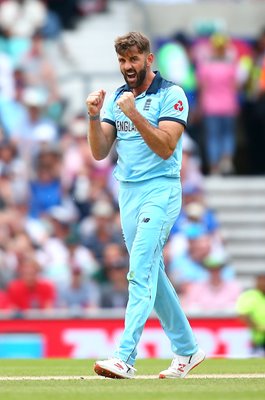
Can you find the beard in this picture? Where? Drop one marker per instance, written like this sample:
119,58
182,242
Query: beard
140,77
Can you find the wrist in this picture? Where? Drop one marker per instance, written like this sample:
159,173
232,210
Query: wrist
133,114
95,117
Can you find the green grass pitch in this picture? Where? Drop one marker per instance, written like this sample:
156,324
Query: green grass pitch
202,387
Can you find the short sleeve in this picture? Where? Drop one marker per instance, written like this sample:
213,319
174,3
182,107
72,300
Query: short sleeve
108,115
175,106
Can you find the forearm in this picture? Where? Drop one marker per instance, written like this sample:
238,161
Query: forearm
160,141
99,143
100,137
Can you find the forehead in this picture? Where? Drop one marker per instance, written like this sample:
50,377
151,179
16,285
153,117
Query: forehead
130,52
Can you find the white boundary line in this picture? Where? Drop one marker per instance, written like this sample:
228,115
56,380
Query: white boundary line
76,378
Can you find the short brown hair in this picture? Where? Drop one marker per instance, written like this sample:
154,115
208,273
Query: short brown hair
125,42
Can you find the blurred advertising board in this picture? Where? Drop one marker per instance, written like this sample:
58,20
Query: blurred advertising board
97,338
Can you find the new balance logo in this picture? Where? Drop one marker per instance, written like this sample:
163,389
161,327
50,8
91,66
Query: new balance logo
145,220
147,105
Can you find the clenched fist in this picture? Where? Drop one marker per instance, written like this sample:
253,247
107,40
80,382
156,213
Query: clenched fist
95,102
126,103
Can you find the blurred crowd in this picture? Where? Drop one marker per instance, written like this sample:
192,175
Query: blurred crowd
224,78
61,245
20,18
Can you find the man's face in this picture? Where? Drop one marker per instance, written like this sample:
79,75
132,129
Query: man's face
133,66
199,248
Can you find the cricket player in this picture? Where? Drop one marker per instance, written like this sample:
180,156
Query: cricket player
146,118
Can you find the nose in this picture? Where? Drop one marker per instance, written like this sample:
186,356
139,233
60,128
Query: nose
127,66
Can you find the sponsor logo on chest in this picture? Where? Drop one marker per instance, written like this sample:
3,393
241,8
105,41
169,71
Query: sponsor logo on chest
125,126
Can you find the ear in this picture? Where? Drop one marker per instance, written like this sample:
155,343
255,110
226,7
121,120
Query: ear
150,59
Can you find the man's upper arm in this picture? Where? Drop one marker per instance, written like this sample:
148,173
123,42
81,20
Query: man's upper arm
174,114
175,106
173,129
109,132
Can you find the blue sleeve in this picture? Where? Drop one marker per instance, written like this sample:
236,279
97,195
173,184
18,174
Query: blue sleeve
108,115
175,106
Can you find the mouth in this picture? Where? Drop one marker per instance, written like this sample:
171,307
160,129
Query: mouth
130,76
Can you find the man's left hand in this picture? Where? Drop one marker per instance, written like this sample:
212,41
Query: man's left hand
126,103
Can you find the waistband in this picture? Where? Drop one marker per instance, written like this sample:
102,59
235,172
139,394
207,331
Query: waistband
153,181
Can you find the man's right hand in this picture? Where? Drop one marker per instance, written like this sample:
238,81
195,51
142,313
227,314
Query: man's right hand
95,102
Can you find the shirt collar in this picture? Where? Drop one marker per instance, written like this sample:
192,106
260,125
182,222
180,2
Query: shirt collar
156,84
153,88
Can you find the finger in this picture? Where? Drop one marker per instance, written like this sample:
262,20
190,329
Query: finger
94,98
102,94
98,94
92,101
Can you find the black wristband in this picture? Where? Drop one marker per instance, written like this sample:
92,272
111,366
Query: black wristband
94,117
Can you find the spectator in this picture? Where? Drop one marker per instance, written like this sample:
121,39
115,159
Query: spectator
189,267
6,77
10,162
114,292
19,19
214,294
22,18
100,229
7,266
251,309
45,190
191,174
195,210
253,108
78,255
87,7
113,253
195,216
84,177
76,153
219,105
197,213
13,175
4,302
40,73
175,64
10,106
29,290
80,294
66,11
36,130
55,256
19,243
